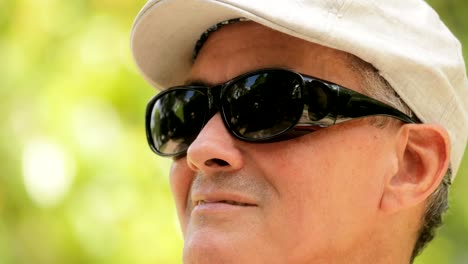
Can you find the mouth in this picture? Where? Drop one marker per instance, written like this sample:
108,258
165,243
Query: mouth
228,202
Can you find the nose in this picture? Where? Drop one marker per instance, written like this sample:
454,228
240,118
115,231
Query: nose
214,149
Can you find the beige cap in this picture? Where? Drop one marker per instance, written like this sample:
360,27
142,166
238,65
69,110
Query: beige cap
404,39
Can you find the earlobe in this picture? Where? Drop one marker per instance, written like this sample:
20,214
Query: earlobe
423,152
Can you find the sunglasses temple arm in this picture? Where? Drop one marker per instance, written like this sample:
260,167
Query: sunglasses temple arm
356,105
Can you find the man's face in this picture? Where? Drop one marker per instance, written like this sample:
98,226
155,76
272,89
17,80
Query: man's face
294,201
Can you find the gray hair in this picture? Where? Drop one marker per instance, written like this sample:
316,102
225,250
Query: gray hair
377,87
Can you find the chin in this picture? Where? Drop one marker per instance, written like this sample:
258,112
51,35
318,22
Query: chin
211,245
206,249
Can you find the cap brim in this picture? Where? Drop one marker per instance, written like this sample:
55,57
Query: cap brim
165,32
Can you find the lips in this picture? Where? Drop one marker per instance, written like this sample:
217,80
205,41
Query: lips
230,202
207,197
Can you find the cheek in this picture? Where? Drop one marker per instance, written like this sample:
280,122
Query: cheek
180,180
328,186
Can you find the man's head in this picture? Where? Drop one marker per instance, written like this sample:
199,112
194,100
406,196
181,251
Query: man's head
353,192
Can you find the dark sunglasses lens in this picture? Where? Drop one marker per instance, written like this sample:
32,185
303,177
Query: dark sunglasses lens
319,99
264,105
176,119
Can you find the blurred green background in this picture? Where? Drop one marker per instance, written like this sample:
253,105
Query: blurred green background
78,183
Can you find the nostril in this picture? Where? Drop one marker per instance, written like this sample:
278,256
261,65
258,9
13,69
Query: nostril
214,162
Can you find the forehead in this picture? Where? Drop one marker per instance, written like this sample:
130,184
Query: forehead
245,46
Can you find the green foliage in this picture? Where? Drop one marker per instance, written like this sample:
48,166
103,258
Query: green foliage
78,183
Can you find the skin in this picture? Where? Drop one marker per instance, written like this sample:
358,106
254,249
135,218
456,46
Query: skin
350,193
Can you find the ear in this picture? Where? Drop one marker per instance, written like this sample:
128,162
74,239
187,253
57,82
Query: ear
423,153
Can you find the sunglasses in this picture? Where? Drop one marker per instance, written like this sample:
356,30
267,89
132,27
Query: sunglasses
267,105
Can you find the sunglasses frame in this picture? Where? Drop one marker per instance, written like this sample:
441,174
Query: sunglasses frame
347,105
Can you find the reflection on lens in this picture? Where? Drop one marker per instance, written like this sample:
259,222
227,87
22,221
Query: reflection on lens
317,100
176,119
263,105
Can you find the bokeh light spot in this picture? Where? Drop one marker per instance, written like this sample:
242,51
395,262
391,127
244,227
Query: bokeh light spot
47,172
96,127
